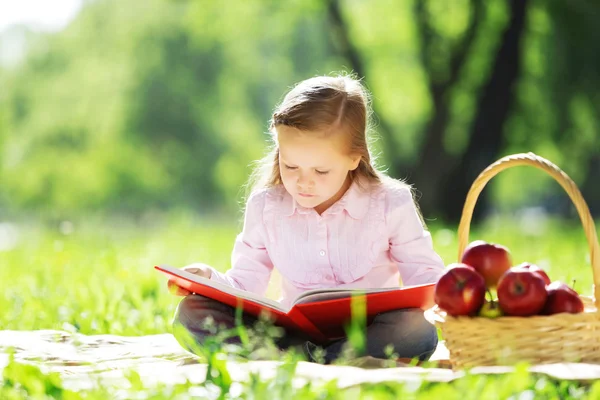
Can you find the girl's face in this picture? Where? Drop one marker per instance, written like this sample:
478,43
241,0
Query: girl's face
314,167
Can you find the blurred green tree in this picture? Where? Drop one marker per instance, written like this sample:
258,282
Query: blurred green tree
163,103
153,104
497,74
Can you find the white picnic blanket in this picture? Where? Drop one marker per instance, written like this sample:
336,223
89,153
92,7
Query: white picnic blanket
85,361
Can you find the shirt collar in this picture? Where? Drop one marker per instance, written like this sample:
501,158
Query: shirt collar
355,201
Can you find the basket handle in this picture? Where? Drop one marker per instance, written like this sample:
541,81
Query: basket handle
562,178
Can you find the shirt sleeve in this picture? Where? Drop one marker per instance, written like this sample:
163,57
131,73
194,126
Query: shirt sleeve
411,245
251,265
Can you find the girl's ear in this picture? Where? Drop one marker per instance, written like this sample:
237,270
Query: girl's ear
355,161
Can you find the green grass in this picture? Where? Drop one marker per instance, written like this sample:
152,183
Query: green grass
96,277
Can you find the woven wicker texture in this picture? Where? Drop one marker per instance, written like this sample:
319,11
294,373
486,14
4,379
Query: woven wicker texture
478,341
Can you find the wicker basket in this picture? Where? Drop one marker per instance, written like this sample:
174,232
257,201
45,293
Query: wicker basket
478,341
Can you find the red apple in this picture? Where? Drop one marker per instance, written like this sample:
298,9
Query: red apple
489,259
460,291
534,268
521,292
562,299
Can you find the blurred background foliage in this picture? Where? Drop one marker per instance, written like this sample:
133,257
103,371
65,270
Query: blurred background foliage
160,105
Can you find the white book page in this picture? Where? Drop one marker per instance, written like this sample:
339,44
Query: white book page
316,295
226,288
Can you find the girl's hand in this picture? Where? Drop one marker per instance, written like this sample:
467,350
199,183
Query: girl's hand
197,269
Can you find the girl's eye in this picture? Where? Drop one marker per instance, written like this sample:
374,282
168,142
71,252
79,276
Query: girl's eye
295,168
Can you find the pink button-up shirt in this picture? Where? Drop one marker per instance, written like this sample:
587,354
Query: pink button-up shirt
368,239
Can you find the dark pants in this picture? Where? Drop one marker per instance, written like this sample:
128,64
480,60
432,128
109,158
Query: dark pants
407,331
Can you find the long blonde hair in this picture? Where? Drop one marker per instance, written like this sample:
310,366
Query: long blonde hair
317,104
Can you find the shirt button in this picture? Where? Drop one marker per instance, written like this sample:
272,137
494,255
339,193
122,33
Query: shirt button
322,253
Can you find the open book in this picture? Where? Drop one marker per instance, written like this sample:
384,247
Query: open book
320,313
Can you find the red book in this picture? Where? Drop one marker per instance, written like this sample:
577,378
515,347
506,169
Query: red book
322,314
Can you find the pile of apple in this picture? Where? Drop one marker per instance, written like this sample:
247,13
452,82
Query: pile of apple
521,290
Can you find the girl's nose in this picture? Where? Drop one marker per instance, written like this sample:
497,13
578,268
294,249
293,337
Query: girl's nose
303,180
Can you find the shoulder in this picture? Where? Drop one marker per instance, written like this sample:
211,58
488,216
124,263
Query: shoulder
265,199
401,207
264,194
393,194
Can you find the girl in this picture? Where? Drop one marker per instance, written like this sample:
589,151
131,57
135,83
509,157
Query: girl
324,216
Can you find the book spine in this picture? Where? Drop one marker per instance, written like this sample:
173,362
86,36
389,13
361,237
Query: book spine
304,323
